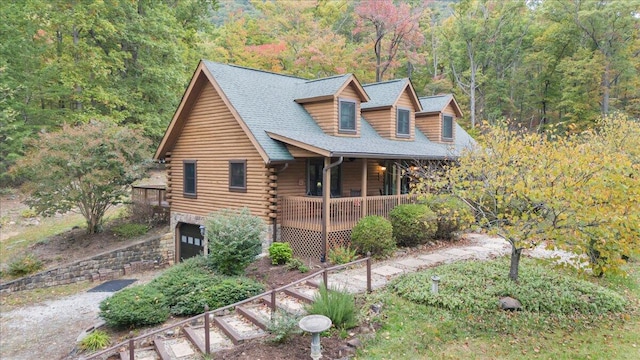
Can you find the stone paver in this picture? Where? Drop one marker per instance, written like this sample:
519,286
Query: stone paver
181,349
456,254
413,263
434,258
387,270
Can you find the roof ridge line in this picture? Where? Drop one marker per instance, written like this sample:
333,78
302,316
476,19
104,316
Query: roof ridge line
385,82
254,69
433,96
327,78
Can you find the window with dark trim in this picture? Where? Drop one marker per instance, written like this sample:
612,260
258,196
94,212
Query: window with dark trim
189,178
347,115
447,127
238,175
402,123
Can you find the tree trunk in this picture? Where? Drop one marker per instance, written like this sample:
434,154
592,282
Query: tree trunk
606,85
515,262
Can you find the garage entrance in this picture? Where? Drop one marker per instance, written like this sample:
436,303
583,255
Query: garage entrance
191,241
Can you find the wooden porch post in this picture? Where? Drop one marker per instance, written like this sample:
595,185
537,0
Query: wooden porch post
398,180
363,187
326,207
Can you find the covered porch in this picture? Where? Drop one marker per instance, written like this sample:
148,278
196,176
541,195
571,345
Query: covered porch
321,200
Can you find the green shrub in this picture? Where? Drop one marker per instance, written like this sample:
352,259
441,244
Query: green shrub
282,325
28,213
413,224
190,285
452,213
134,307
95,341
234,240
476,287
25,265
280,253
373,234
130,230
216,293
339,306
342,255
297,264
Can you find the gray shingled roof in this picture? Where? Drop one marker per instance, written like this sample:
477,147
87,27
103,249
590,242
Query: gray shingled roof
320,87
383,93
266,103
435,103
371,145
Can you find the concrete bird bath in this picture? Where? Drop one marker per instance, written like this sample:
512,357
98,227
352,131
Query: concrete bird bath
315,324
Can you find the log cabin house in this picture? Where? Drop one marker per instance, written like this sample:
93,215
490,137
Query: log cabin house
310,157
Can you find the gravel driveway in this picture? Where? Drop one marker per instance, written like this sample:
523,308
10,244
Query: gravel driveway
48,330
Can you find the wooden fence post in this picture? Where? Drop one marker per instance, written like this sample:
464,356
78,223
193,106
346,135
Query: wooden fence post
369,271
207,341
132,345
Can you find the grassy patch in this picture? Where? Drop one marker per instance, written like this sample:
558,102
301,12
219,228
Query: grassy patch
16,245
28,297
576,320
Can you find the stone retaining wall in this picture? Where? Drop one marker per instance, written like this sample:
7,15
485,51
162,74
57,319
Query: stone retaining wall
153,252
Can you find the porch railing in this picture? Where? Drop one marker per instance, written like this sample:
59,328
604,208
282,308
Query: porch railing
306,212
301,212
383,204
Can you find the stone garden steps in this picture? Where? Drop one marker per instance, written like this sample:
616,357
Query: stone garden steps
246,322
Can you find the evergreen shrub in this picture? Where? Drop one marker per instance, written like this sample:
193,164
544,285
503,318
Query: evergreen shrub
452,213
373,234
413,224
280,253
135,307
234,240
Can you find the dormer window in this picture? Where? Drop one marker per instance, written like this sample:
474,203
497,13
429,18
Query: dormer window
447,127
347,115
403,123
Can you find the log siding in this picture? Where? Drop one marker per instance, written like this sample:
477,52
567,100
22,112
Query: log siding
213,137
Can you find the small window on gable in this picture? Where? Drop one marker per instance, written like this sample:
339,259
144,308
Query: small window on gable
238,175
403,123
189,178
347,115
447,127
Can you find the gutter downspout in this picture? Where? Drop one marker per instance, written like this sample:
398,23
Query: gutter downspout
275,219
326,196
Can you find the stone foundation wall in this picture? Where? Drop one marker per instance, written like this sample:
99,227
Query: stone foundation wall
178,218
154,252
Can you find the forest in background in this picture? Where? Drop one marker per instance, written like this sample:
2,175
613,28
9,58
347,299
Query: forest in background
532,62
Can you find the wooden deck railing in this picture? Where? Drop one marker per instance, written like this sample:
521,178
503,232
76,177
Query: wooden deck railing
306,212
149,194
301,212
383,204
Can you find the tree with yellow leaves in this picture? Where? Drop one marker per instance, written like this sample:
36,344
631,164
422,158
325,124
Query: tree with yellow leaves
579,192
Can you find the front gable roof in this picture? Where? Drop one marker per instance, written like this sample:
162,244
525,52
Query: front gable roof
386,94
437,103
328,88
